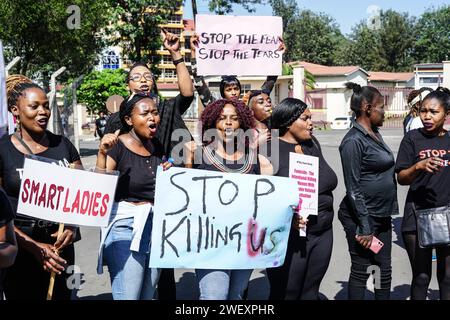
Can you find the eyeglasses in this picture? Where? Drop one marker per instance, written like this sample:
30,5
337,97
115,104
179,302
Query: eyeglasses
137,77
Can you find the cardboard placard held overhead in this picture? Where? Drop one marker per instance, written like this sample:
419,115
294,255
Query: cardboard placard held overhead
239,45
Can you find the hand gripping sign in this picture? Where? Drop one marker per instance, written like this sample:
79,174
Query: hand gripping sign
239,45
209,220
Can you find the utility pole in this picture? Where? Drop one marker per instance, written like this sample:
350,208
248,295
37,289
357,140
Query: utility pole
11,124
76,129
56,126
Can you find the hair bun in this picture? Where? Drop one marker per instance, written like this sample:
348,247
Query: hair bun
444,90
353,86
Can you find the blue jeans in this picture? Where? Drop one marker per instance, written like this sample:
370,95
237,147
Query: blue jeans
131,278
222,284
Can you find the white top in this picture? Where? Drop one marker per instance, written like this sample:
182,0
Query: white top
414,123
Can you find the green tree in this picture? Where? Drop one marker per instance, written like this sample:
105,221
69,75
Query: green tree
98,86
135,27
387,48
226,6
38,32
314,37
432,37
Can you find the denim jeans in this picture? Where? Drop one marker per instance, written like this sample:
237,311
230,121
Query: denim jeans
222,284
131,277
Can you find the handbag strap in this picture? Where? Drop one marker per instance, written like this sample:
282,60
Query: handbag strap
19,138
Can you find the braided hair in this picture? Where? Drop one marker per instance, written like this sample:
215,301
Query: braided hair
286,113
16,85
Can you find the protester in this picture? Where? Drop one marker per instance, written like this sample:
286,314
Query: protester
415,98
423,164
371,192
307,258
8,243
38,242
230,87
141,79
100,125
226,151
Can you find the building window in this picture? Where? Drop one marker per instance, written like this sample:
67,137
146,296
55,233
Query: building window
176,31
317,103
166,60
169,74
174,19
111,60
429,80
245,88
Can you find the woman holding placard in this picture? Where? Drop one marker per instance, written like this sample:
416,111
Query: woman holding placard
307,258
365,213
38,242
226,151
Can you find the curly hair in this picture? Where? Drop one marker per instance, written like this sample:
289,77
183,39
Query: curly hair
16,84
213,111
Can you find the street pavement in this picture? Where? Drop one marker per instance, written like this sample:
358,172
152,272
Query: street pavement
334,284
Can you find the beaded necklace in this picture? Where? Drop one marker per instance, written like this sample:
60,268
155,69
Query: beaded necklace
246,167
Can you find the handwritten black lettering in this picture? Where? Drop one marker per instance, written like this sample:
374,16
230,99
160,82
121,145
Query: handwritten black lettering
204,187
236,192
184,191
272,189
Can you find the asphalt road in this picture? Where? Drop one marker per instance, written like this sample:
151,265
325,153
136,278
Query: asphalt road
334,285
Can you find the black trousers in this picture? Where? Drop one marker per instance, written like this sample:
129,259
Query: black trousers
364,261
305,265
27,280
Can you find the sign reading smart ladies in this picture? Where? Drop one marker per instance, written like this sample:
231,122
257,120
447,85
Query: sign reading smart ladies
239,45
55,193
205,219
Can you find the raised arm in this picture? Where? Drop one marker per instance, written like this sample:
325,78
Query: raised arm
199,82
172,44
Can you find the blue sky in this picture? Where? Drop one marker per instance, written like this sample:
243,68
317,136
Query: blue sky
347,13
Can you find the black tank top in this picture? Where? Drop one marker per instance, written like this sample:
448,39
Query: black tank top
214,162
327,182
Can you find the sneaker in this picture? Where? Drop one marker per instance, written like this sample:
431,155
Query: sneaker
433,257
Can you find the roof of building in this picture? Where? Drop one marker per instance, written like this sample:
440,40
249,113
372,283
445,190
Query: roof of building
321,70
438,66
390,76
189,25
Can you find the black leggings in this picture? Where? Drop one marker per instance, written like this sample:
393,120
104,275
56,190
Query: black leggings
167,289
363,259
305,265
421,264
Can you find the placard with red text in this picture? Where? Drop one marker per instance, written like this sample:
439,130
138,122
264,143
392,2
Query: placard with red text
55,193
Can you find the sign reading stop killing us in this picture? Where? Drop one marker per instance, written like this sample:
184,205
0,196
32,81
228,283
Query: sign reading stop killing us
214,220
59,194
238,45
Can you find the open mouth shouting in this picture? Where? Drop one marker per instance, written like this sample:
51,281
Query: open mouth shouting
152,126
144,88
42,122
229,132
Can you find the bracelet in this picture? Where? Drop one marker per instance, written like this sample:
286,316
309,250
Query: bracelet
175,62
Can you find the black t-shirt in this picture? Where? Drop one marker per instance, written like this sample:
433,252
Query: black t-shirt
6,211
11,161
137,173
100,124
428,190
327,182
